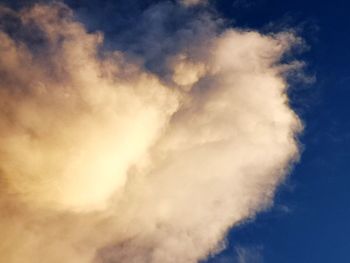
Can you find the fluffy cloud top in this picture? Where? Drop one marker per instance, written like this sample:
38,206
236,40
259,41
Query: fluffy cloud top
103,161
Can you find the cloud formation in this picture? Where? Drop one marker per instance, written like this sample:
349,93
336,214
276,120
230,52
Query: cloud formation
192,2
103,161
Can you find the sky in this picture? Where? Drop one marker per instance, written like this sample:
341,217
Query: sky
297,210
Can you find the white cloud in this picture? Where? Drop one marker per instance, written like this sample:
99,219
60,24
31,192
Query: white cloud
103,161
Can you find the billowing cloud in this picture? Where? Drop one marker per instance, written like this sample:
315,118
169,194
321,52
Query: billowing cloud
104,161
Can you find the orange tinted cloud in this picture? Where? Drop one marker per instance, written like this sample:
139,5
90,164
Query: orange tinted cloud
103,161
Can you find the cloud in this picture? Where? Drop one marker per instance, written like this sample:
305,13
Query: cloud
103,160
249,254
192,2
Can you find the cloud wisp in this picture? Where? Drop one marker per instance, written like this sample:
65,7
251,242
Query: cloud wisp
103,161
189,3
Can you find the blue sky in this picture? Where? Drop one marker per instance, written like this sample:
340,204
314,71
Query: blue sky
309,222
